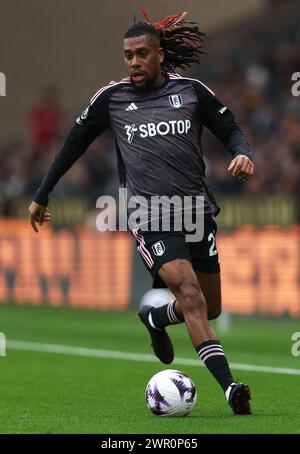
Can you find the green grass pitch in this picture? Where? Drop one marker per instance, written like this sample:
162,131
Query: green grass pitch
45,392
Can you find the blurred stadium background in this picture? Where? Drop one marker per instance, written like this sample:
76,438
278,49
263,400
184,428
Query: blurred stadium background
55,55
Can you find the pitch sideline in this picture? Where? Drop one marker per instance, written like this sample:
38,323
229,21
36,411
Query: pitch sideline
127,356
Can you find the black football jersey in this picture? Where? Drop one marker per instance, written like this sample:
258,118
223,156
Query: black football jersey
157,135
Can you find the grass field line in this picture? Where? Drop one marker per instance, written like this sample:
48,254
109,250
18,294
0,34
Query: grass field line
127,356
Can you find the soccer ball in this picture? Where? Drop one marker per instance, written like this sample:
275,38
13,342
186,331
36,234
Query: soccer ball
171,393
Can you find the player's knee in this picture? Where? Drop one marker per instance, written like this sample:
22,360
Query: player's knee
186,288
191,297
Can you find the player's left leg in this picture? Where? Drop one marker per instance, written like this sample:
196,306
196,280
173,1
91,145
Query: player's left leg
238,394
184,284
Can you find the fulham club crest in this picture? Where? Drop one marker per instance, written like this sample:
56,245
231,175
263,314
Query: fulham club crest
158,248
175,101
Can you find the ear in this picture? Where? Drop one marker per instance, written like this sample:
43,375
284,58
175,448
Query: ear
161,54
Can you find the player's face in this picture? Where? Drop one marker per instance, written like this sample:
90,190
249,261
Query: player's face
143,57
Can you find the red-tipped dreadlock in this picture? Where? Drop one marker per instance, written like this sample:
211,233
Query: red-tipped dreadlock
181,40
169,22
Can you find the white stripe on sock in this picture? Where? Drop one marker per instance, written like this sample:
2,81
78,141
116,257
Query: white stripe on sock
215,348
172,311
203,349
209,352
169,314
212,354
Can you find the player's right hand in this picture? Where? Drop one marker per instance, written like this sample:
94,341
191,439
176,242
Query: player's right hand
38,214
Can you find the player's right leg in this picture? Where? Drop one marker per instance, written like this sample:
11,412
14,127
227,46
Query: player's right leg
205,262
160,341
183,283
210,284
157,248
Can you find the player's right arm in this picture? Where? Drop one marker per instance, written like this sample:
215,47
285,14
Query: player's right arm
38,215
90,124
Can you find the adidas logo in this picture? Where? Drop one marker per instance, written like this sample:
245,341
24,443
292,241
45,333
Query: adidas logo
131,106
222,110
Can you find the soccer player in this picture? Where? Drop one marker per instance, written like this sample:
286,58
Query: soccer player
157,119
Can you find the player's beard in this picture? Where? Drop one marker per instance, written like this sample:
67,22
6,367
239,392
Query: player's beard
147,86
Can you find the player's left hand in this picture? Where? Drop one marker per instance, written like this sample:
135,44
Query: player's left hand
242,167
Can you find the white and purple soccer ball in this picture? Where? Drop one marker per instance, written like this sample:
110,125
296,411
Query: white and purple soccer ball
171,393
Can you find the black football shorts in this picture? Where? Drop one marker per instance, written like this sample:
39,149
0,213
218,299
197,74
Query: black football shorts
158,248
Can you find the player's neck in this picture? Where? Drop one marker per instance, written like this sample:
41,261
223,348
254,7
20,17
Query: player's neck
161,79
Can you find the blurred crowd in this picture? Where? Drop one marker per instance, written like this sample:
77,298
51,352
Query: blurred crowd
23,165
255,83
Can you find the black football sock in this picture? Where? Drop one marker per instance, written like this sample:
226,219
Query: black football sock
165,315
212,354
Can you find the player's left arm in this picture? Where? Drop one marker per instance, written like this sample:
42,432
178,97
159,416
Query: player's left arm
220,121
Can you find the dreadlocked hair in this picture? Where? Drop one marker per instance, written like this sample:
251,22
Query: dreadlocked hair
182,41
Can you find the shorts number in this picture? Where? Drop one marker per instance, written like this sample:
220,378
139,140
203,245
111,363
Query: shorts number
212,249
